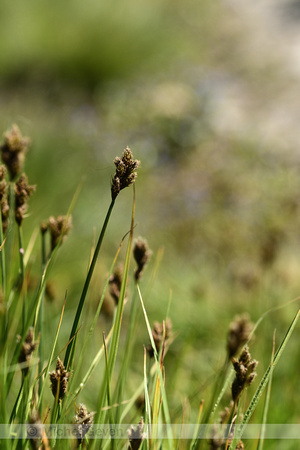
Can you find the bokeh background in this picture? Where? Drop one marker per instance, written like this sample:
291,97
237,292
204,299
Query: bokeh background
206,94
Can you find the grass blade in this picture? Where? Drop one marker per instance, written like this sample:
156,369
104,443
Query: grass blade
267,401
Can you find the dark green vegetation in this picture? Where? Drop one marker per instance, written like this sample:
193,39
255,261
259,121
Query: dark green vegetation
216,198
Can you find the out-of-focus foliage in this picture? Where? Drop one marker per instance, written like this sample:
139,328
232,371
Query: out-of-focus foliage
83,42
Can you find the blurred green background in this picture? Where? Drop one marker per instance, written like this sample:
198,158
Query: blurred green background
204,94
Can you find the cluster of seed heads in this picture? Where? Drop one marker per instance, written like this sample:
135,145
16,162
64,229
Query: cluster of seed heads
158,331
28,347
141,253
115,282
13,150
125,173
58,227
238,335
136,435
23,191
59,380
244,373
4,205
84,421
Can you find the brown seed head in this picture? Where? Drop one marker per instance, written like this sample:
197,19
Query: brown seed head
4,199
136,435
115,282
238,334
59,380
84,420
59,227
158,334
244,373
38,431
28,347
22,193
125,172
225,414
141,253
14,150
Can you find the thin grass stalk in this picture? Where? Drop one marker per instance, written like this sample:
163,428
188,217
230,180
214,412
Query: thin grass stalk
91,330
56,413
41,321
127,356
2,259
199,419
11,304
71,347
234,416
159,372
50,360
267,402
23,399
25,396
22,277
16,404
156,395
155,411
109,402
263,383
4,328
91,369
147,400
10,231
117,323
3,395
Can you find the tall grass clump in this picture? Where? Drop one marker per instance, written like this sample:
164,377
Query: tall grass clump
42,390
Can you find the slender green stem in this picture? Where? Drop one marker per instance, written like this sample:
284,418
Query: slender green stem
91,330
4,324
2,259
109,403
40,321
71,346
100,415
127,355
10,232
22,276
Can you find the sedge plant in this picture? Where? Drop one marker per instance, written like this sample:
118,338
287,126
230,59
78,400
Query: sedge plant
30,376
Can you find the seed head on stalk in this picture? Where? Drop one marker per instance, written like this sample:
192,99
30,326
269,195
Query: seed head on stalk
59,380
59,227
136,435
28,347
4,199
239,333
13,150
244,373
141,253
83,421
23,191
125,174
